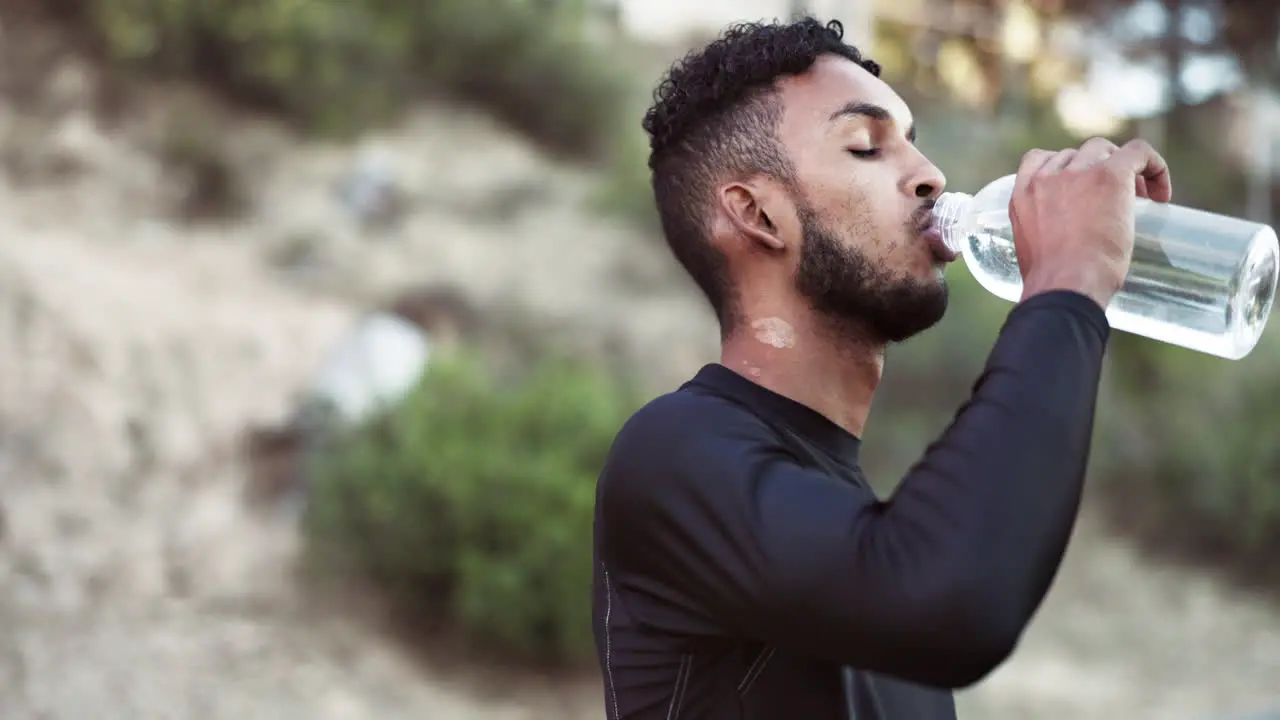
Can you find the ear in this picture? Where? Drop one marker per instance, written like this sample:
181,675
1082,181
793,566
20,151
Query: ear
750,209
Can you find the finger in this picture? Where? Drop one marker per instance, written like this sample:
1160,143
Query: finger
1058,162
1093,151
1141,188
1139,159
1031,163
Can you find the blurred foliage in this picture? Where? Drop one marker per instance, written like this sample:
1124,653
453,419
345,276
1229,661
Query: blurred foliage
341,65
1246,29
627,191
1187,455
473,500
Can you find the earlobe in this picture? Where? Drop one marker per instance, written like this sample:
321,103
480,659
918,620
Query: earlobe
744,207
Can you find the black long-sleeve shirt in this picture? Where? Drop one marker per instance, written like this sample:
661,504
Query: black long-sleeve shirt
746,570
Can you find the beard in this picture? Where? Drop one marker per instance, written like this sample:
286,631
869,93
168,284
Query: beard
859,297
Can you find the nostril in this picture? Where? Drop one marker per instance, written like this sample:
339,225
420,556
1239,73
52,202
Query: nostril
925,190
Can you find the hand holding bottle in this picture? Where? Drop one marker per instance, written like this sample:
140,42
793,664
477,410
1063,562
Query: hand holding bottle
1192,278
1073,215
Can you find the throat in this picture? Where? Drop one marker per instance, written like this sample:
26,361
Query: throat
835,378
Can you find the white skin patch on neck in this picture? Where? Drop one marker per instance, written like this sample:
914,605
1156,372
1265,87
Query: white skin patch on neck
774,332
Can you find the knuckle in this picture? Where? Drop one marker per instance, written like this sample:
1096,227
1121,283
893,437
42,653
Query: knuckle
1111,172
1140,146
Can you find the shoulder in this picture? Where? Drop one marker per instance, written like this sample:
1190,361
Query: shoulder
685,446
684,427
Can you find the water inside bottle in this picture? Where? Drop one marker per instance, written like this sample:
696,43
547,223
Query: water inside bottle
1198,280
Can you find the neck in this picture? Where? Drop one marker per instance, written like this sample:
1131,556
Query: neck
815,364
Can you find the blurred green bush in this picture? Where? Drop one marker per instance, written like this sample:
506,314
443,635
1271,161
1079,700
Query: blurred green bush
1188,457
472,502
341,65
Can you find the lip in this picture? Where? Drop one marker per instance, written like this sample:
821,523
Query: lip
932,235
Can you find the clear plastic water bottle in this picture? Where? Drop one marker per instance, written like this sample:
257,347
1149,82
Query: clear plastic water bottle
1199,280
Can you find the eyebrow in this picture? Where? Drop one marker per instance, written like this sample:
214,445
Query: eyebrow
869,110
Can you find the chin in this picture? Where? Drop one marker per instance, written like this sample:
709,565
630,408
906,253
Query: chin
911,311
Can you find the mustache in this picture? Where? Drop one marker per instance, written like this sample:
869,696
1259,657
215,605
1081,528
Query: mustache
922,217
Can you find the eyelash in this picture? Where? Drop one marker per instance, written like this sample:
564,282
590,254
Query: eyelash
865,154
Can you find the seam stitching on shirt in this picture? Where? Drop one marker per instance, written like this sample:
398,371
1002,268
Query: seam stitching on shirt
608,644
743,682
756,669
682,682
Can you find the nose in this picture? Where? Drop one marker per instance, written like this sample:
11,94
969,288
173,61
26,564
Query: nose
927,181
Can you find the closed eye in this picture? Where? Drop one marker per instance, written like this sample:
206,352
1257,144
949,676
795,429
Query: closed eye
865,154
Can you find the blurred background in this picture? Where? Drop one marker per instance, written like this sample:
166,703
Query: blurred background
317,319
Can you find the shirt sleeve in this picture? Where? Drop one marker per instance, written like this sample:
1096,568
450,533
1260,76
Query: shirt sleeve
711,527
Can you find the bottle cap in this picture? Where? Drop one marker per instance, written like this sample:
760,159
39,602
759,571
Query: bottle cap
949,214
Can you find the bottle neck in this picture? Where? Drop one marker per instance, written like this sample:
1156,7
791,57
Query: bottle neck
951,214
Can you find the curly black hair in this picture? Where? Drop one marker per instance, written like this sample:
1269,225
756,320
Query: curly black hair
714,114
